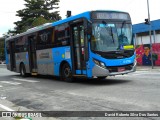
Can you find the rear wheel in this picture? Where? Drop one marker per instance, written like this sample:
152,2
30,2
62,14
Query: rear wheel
66,73
22,70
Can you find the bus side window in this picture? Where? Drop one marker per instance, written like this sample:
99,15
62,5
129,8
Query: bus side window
44,40
53,36
62,35
21,44
25,43
7,47
18,45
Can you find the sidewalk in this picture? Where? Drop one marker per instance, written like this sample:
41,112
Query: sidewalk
148,68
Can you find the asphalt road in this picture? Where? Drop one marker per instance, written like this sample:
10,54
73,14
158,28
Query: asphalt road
139,91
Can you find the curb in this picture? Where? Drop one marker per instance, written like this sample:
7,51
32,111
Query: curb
148,68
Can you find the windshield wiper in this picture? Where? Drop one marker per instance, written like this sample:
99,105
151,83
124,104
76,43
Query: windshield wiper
122,25
111,32
112,35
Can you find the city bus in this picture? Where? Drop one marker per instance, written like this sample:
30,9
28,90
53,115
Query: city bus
93,44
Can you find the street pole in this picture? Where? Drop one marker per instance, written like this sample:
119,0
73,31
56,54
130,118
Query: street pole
150,27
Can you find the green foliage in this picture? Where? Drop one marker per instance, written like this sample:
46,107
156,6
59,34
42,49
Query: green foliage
39,21
34,11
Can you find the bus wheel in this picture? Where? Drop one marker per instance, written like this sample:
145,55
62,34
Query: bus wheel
22,70
101,78
66,73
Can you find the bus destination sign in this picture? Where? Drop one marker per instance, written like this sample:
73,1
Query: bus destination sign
110,15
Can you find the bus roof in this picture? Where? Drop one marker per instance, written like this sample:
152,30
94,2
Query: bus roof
84,15
32,30
47,25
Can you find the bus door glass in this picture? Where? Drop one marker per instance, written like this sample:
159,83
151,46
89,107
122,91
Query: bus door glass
78,47
32,53
12,56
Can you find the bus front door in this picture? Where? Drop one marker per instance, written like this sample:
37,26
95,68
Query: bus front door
78,49
32,55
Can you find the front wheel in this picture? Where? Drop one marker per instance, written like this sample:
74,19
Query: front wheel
101,78
66,73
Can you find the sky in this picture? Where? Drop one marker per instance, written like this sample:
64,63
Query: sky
136,8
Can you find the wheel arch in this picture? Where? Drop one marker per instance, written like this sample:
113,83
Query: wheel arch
61,64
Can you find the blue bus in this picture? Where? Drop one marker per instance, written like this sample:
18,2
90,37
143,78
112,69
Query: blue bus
93,44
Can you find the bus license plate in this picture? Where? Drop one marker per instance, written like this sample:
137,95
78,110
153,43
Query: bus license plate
121,69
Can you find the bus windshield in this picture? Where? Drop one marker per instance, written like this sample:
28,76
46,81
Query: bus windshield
111,36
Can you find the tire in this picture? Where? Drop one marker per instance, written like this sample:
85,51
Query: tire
66,73
23,70
101,78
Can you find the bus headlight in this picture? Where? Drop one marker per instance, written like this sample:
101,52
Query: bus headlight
101,64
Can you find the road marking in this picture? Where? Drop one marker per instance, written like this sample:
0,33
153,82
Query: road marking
143,73
25,80
1,86
13,83
137,73
5,108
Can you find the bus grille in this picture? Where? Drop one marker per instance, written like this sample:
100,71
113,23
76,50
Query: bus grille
115,68
116,54
126,54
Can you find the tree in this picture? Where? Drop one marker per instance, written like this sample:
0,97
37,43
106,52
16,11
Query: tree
34,11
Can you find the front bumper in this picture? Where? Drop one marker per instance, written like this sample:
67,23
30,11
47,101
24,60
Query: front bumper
99,71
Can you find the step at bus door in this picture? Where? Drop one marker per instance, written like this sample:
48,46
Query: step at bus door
32,53
78,49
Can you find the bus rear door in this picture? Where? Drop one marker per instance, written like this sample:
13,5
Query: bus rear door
32,54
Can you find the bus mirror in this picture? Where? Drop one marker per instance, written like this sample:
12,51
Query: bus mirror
69,14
